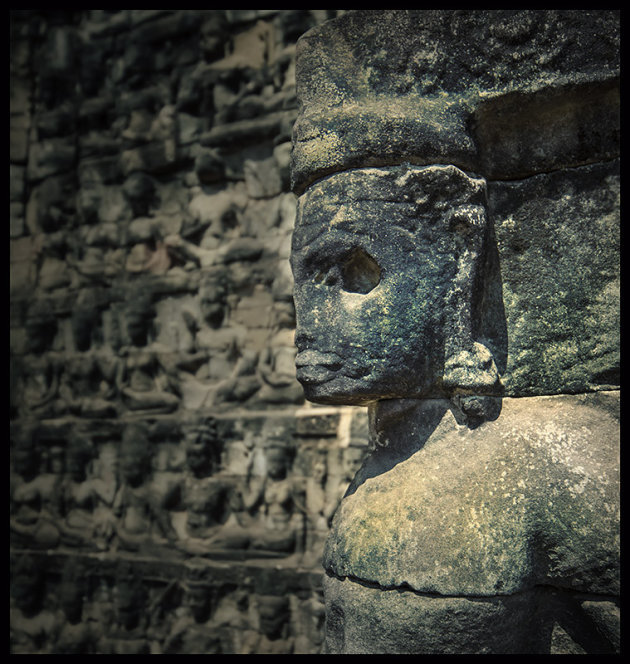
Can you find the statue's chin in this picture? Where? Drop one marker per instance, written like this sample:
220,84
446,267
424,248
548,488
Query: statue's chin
339,390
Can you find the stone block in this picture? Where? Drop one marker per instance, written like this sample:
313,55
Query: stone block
558,240
391,117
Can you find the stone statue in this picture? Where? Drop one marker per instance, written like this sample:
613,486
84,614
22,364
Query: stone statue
32,625
142,502
480,522
147,383
34,507
192,631
272,637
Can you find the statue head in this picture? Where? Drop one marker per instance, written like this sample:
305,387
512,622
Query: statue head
200,442
139,315
273,614
135,454
388,264
212,298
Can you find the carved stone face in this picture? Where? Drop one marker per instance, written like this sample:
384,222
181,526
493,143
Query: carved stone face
135,455
376,255
277,463
212,300
198,600
197,442
273,613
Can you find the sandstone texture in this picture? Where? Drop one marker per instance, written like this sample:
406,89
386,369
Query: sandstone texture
456,264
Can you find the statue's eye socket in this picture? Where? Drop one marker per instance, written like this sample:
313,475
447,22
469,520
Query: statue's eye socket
360,273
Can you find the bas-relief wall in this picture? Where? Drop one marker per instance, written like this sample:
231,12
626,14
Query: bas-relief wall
170,488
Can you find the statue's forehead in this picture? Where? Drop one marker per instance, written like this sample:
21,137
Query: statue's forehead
397,184
395,195
340,223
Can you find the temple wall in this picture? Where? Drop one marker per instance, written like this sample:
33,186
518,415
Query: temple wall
150,226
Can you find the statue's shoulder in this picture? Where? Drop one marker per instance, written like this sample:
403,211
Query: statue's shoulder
529,498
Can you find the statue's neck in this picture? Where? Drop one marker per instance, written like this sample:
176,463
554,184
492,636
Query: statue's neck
398,428
399,423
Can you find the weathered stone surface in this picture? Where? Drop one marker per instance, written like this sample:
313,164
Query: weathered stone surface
375,260
440,86
539,621
496,524
436,294
558,245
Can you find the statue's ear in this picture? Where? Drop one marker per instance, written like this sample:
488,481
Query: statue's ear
469,367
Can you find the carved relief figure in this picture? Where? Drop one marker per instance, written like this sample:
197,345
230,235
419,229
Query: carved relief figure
193,631
128,633
146,381
34,508
318,511
222,369
88,380
32,625
141,503
38,372
266,520
73,634
280,523
86,500
206,494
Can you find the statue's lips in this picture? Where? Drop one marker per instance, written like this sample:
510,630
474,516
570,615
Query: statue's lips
316,367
